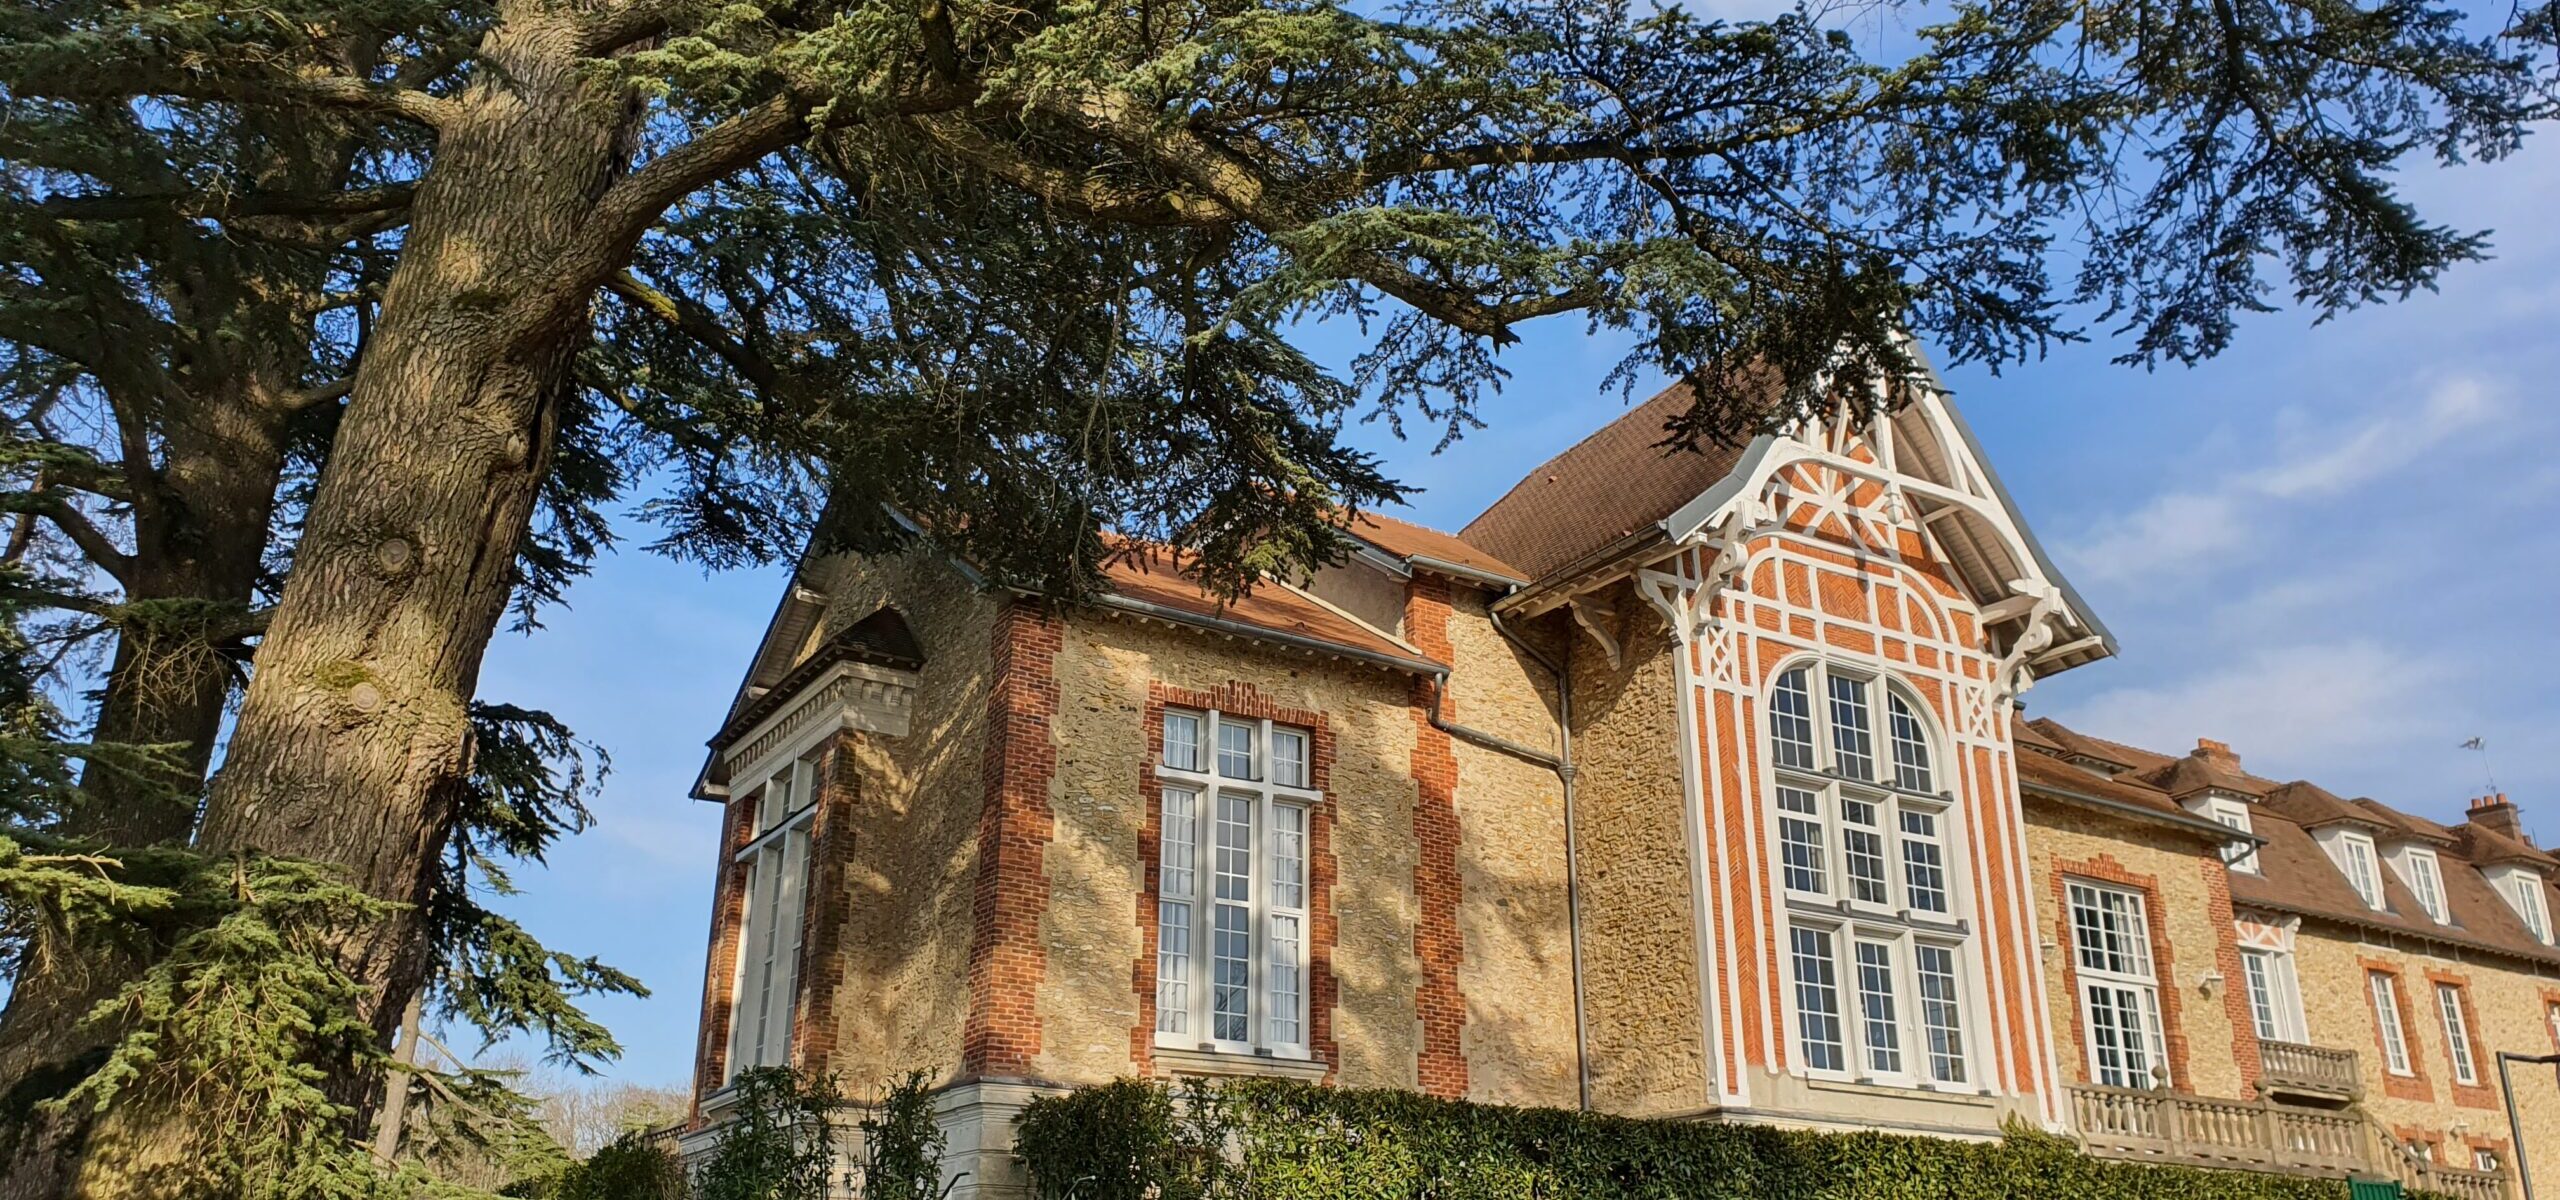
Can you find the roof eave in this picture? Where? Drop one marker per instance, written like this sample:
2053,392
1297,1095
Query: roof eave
1160,612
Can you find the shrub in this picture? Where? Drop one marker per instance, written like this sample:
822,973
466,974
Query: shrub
1285,1141
626,1168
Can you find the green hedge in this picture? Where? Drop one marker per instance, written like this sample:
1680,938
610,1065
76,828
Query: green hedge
1133,1141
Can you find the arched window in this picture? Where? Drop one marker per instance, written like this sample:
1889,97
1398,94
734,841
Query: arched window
1875,938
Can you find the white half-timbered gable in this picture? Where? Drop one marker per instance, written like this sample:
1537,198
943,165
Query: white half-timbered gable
1855,607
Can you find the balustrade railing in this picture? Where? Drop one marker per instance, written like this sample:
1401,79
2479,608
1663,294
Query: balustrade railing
2310,1070
2172,1127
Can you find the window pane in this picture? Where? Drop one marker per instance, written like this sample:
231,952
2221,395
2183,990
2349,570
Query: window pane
1231,922
2386,1014
794,850
2124,1029
1941,1012
1282,978
1862,844
1910,746
2108,931
1800,840
1817,1001
1852,746
1176,893
1182,741
2360,872
1791,721
1882,1021
2427,883
1289,757
1235,750
2262,994
1924,867
2457,1034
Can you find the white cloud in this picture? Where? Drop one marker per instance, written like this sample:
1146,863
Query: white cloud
2178,534
2290,710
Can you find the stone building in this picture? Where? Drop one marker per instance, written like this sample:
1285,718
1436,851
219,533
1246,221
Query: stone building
1682,785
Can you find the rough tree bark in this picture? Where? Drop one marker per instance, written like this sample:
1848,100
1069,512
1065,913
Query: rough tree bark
354,728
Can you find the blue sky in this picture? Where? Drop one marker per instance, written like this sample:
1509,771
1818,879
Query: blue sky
2333,548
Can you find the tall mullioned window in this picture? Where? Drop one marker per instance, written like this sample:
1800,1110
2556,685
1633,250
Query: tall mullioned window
1232,886
1876,938
775,866
2119,987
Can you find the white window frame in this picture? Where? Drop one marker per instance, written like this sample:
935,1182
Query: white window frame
2457,1035
2425,876
2484,1159
1848,910
2384,989
2363,867
2234,814
2118,977
2524,892
765,979
1184,988
2274,995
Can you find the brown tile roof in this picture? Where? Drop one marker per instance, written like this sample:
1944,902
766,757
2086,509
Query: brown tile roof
2081,745
2296,876
2203,771
2311,806
2026,734
1606,486
2407,824
1157,586
2487,846
2040,773
1409,541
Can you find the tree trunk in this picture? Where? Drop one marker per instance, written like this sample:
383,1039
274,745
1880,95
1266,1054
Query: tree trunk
354,729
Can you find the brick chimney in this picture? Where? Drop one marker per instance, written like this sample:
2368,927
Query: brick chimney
2493,812
2217,752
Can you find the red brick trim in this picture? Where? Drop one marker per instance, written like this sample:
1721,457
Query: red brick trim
1441,1065
719,976
821,970
2235,975
2104,869
1323,930
2399,1087
2412,1135
1006,958
2477,1095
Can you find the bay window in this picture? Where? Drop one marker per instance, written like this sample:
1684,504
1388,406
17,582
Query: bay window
775,867
2119,989
1875,942
1231,894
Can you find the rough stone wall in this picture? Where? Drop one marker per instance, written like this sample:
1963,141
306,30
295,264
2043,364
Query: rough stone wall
902,1001
2187,935
1517,972
1092,927
1640,947
2511,1009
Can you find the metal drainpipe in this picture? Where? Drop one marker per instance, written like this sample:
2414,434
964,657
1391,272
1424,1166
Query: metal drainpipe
1572,867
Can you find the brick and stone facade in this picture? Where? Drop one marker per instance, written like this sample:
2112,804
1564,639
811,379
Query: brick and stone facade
1543,861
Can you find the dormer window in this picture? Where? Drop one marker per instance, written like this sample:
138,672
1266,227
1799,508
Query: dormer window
2524,891
2355,857
2239,854
2425,877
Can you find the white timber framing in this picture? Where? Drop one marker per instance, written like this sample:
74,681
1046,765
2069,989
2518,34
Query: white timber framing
1909,474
